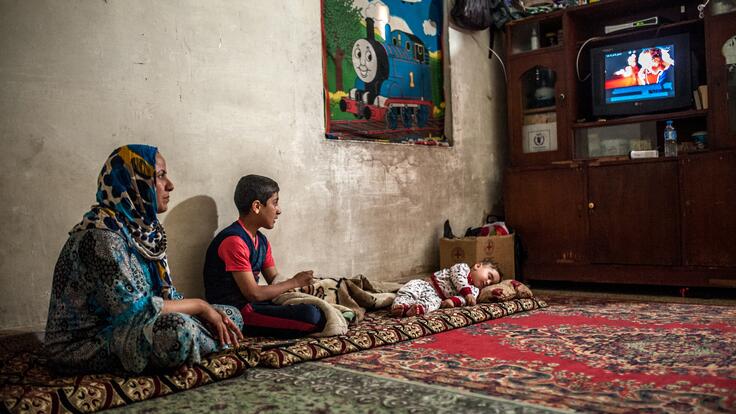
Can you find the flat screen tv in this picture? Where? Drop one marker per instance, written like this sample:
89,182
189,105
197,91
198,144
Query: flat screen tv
643,76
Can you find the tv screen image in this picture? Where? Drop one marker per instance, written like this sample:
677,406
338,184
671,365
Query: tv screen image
640,74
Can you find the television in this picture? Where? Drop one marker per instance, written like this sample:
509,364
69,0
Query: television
642,76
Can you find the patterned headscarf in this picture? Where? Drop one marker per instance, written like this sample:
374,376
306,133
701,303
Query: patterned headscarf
126,203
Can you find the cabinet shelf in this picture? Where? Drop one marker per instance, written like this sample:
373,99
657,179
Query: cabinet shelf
557,14
625,160
535,34
542,110
690,113
641,33
526,54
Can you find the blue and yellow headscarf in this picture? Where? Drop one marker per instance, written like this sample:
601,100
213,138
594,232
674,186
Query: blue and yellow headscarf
126,203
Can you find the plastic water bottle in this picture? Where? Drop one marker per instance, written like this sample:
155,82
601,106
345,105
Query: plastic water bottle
670,140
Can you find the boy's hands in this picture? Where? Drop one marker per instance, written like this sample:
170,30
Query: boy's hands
447,303
470,299
254,292
304,278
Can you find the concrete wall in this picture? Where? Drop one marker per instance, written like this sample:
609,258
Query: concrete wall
224,88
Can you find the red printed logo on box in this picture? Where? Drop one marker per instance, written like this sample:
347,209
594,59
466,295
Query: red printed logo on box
489,247
457,253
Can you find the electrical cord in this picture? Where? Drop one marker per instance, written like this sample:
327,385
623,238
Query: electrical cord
503,67
577,59
702,7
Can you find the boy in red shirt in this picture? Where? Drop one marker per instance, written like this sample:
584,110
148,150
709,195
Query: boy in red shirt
240,254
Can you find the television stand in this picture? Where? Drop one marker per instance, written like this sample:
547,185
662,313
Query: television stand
584,210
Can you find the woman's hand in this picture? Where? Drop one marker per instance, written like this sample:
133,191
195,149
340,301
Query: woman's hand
447,303
470,299
235,334
226,330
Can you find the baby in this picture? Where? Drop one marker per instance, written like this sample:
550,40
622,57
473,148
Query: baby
457,286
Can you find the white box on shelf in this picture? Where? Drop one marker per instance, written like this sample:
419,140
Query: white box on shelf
540,137
645,154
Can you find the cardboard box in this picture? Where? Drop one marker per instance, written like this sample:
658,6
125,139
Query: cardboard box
471,250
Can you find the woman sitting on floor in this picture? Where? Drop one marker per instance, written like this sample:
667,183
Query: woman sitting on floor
113,305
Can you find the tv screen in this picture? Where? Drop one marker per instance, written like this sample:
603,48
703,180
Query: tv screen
639,77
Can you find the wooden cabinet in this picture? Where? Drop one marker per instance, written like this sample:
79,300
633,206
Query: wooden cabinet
537,92
547,207
537,104
634,213
583,209
709,209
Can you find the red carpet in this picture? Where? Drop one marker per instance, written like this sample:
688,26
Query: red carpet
587,355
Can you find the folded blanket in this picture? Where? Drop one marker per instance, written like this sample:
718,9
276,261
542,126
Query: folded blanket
357,293
336,323
342,299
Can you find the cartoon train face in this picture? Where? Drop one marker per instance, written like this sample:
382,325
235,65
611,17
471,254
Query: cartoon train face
365,61
393,79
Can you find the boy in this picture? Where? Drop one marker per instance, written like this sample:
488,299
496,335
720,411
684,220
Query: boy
240,253
448,288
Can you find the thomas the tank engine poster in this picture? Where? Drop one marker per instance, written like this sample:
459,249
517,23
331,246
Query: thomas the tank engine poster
383,70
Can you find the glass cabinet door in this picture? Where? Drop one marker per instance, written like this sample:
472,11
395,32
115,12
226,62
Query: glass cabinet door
615,140
536,110
729,53
539,123
720,96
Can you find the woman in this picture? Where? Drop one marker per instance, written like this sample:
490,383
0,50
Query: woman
113,305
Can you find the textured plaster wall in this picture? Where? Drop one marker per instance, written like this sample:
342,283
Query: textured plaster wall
224,88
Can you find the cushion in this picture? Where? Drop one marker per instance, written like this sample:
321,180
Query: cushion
504,291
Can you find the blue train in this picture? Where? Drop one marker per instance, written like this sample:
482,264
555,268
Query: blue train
393,81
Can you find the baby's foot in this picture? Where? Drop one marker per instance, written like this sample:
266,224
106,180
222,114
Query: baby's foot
399,310
415,310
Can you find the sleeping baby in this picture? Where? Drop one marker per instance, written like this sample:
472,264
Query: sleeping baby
448,288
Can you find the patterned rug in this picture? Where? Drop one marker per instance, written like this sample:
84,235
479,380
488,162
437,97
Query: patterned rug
379,329
582,354
27,386
314,387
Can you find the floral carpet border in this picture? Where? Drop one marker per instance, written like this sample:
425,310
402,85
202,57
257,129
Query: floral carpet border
26,386
379,329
